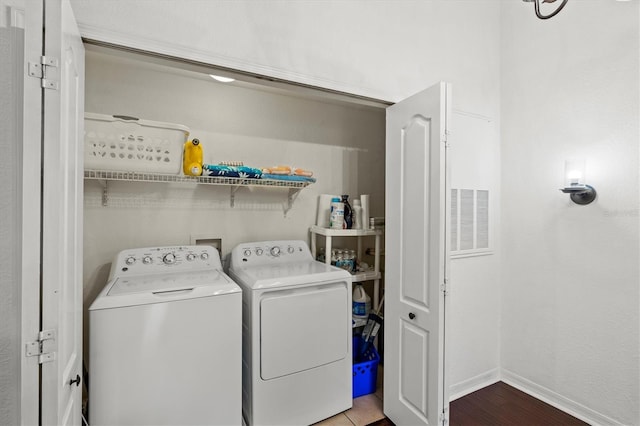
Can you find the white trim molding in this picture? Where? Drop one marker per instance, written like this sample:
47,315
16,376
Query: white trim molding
473,384
560,402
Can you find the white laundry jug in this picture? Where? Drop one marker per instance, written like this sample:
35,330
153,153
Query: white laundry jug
361,302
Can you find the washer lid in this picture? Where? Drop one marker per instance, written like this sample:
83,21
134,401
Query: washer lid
157,283
288,274
159,288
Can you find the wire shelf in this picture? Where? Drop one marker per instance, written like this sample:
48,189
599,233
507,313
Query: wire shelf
207,180
233,183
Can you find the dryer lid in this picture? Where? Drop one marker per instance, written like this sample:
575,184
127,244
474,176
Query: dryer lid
288,273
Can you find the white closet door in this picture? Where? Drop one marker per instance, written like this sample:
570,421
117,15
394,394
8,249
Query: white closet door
20,116
62,214
417,215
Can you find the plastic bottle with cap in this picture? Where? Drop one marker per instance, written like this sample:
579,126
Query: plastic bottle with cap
192,158
348,212
357,214
336,217
361,302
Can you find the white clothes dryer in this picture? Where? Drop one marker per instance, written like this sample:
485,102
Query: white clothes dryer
165,341
296,358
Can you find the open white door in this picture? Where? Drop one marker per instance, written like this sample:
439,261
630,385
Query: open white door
417,215
62,198
20,116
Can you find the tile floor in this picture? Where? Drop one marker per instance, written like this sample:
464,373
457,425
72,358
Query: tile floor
366,409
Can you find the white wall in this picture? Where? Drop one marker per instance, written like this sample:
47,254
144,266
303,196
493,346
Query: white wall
570,273
474,323
384,49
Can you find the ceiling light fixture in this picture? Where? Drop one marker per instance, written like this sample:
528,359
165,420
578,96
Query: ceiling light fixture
537,7
222,79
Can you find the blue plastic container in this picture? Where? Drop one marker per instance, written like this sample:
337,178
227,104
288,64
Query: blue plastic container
365,370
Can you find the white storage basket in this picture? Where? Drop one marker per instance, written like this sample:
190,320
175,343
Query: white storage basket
122,143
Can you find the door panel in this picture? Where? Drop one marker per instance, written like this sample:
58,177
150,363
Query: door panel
62,215
414,376
417,205
415,211
20,116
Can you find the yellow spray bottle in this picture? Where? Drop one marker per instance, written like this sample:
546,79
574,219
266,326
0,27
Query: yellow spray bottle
192,158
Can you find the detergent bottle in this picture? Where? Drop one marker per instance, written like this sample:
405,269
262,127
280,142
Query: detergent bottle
192,158
336,215
361,302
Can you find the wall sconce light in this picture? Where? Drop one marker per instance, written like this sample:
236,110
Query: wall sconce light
574,183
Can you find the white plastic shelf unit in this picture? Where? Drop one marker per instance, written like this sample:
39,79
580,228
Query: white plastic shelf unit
374,275
105,176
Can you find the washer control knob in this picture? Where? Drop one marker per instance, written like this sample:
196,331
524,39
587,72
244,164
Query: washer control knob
290,250
275,251
247,252
191,257
204,256
169,259
259,251
130,260
147,260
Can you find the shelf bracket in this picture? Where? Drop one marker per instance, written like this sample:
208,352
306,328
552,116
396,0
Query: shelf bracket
232,195
105,192
293,194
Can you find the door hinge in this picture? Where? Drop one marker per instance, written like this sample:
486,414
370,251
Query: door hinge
443,419
444,287
37,348
39,70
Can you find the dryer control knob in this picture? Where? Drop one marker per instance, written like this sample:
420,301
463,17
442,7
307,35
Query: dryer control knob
191,257
290,249
169,258
130,260
147,260
259,252
204,256
275,251
247,252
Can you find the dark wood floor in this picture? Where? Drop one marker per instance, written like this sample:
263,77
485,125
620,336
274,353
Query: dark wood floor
502,405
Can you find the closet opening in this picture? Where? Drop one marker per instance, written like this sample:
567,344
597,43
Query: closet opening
255,120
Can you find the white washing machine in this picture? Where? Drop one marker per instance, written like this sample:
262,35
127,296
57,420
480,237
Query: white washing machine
296,359
165,341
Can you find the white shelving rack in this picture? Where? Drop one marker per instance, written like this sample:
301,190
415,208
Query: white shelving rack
374,275
104,176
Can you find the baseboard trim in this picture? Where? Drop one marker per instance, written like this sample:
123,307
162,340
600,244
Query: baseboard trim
560,402
473,384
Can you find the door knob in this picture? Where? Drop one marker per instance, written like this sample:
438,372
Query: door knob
76,381
412,315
